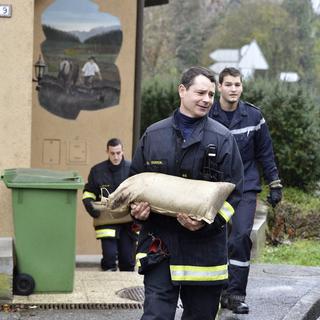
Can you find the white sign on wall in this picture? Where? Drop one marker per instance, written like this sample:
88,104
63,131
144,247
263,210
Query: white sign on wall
5,10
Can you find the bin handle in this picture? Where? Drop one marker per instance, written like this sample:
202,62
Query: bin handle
104,200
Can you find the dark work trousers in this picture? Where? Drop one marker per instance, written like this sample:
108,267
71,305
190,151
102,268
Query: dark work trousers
161,297
122,248
240,244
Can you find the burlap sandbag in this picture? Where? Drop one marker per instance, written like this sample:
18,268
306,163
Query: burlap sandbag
167,195
108,216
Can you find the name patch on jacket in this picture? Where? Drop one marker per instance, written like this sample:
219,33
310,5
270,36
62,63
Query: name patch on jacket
155,162
157,165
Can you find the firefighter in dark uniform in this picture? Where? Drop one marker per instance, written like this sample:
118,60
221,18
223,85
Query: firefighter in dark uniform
118,241
250,130
181,255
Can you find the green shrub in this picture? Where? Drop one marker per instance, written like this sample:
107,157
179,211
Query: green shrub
294,123
296,217
159,98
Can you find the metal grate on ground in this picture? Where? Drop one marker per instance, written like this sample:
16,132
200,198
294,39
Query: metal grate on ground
70,306
137,294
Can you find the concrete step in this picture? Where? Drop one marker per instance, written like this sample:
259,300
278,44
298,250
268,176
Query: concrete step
88,261
258,234
6,269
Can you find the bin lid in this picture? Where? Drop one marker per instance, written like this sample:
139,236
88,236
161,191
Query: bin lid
41,178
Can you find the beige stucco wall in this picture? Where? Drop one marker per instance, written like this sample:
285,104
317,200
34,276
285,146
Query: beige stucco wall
25,125
16,50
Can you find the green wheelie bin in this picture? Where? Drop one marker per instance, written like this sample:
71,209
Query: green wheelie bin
44,217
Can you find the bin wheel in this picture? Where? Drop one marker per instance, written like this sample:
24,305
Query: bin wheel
23,284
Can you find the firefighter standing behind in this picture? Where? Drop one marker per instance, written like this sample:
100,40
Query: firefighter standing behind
250,130
118,241
181,255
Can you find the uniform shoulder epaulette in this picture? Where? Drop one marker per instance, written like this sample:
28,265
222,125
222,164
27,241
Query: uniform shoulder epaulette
251,105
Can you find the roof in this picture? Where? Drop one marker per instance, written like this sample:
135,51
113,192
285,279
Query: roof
252,57
248,59
149,3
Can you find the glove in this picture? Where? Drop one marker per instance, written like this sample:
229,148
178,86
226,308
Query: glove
135,227
275,196
89,207
157,252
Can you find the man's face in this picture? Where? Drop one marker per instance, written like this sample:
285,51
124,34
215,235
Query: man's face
115,154
197,100
230,89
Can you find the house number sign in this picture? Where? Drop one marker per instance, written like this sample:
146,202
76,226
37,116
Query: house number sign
5,10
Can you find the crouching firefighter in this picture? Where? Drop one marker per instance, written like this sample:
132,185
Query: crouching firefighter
179,256
118,241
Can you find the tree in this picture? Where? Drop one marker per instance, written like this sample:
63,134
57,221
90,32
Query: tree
316,52
268,23
302,13
174,35
157,54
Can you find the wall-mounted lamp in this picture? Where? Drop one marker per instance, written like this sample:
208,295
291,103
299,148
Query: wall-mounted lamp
39,68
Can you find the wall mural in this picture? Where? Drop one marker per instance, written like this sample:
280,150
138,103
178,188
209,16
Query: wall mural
80,50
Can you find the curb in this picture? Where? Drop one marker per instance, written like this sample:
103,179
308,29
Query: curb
88,261
307,308
6,269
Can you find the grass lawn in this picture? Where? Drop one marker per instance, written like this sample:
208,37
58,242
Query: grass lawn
300,252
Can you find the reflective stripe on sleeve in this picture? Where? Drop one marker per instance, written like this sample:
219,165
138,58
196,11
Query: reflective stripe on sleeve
226,211
239,263
139,256
248,129
105,233
197,273
88,194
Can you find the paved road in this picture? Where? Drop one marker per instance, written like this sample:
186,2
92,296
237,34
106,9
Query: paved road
275,292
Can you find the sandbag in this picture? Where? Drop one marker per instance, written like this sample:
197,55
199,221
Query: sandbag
108,216
167,195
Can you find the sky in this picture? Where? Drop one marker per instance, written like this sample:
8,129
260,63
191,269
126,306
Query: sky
316,6
77,15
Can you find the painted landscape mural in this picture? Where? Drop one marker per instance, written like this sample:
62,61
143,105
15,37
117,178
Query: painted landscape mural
80,50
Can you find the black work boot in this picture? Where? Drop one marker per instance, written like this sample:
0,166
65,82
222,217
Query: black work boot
237,304
224,300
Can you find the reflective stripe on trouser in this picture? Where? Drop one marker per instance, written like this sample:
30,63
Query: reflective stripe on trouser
239,263
139,256
121,248
89,195
239,244
197,273
105,233
161,297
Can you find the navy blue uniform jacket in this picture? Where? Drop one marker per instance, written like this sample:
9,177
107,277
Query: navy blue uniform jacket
106,175
253,138
201,256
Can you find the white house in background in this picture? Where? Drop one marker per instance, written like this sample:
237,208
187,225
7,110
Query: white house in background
289,76
247,59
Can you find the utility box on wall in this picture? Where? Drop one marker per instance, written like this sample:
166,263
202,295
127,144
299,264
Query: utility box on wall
85,93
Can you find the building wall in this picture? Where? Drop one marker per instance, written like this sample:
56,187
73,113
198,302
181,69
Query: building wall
34,137
16,50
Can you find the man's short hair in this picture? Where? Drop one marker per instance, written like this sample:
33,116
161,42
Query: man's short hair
114,142
229,71
187,78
